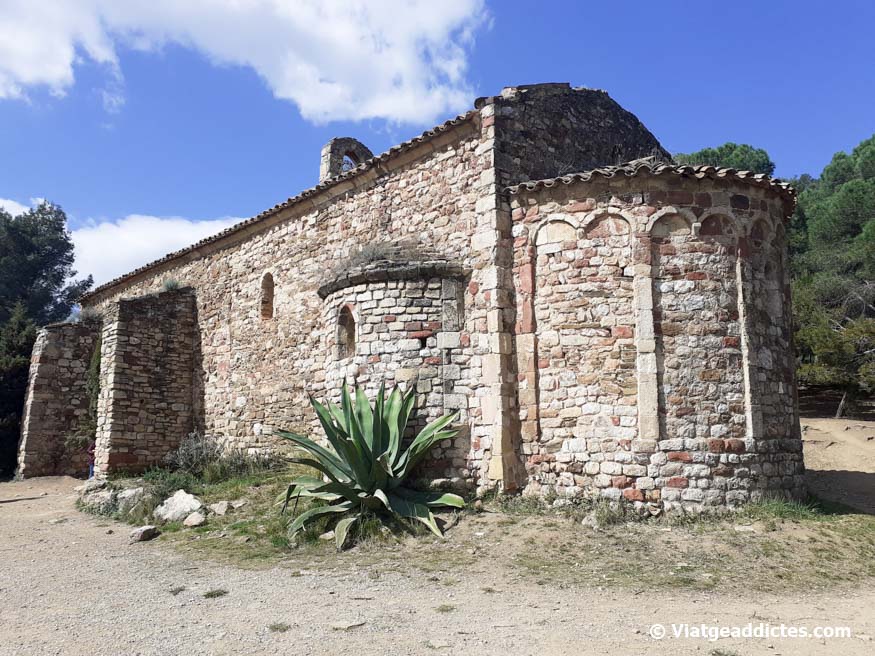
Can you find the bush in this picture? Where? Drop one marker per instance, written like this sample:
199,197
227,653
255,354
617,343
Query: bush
203,458
368,471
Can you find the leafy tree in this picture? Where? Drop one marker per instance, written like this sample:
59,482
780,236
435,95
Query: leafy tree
17,336
833,248
36,287
36,264
730,155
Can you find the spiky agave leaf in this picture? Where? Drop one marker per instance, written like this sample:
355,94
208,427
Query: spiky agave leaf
367,466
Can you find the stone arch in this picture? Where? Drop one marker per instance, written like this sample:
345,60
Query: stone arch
718,225
670,225
555,231
607,225
336,151
267,294
346,332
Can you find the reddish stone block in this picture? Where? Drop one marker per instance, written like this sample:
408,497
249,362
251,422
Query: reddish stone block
621,331
722,470
735,446
615,421
389,318
679,456
702,200
435,359
543,363
527,278
376,358
620,481
716,446
731,342
631,494
420,334
678,482
413,325
465,340
473,288
679,197
696,275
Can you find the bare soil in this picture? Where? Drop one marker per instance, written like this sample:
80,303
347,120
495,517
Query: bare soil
500,583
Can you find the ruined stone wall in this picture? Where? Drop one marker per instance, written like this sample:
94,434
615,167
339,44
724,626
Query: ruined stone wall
409,332
259,371
57,404
547,130
149,380
705,416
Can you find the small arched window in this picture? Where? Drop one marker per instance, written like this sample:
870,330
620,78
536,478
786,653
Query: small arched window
267,296
345,333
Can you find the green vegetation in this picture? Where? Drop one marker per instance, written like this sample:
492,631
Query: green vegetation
36,260
833,248
170,284
832,258
730,155
212,594
369,469
279,627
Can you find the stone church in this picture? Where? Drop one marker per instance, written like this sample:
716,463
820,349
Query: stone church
604,322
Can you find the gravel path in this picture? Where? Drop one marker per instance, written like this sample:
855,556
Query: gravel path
70,586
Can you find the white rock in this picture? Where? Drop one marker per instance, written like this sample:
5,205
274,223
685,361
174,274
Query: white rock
129,498
219,508
178,507
194,519
239,503
144,533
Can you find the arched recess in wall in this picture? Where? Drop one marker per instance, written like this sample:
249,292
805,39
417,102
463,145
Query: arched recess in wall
671,265
346,332
266,301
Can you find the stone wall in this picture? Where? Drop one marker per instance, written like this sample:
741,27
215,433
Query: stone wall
408,319
57,403
547,130
647,365
258,372
149,393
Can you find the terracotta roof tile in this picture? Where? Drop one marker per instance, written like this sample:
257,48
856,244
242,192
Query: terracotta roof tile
650,166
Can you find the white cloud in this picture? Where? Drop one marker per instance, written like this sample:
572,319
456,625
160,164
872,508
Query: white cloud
335,59
109,249
13,207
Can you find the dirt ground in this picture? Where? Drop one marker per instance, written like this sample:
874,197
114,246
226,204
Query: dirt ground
71,584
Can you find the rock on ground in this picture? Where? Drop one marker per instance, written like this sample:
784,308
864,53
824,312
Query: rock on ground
144,533
178,507
194,519
220,508
128,499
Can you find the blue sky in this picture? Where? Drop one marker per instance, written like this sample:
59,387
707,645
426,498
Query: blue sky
167,124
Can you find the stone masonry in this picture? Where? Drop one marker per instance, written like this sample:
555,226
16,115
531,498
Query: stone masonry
147,398
604,322
57,402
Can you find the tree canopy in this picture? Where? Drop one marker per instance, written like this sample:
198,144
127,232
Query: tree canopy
36,287
36,264
833,263
730,155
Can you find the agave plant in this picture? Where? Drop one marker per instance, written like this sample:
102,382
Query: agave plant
368,466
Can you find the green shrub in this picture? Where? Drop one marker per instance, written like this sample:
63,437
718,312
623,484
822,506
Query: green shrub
203,458
368,471
170,284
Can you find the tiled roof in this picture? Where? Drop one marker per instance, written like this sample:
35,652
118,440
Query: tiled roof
426,136
650,166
